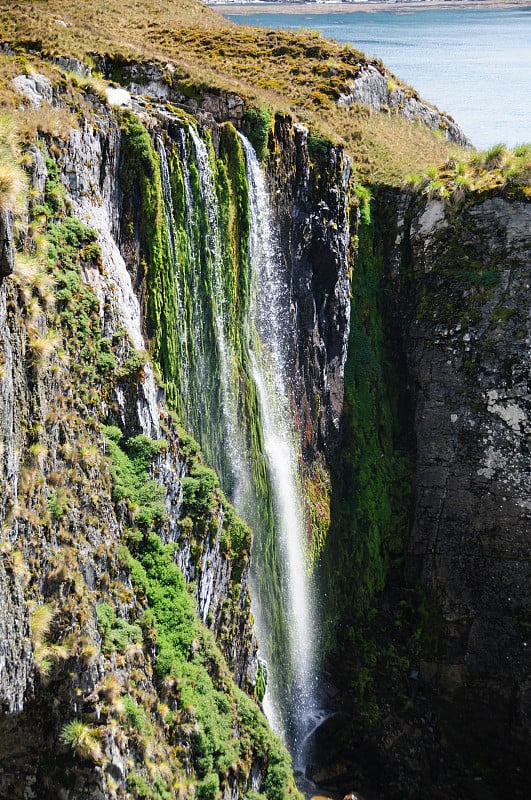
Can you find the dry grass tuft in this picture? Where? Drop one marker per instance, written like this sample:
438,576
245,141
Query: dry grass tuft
497,169
46,120
40,622
13,180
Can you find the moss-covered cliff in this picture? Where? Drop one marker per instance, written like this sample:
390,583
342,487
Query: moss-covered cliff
110,681
435,664
128,660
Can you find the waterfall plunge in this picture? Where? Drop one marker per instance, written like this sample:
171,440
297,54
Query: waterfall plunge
290,701
269,324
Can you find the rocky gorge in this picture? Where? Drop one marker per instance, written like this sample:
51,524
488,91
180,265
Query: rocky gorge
169,249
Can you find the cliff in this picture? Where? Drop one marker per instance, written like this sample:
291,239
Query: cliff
185,251
124,317
465,279
434,405
110,684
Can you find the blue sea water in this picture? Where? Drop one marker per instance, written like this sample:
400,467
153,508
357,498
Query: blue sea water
475,64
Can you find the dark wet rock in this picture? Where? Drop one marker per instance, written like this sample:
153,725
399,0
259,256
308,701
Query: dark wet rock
7,248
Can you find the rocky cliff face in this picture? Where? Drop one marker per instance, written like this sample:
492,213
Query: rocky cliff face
103,490
375,88
87,614
464,283
124,315
311,196
436,397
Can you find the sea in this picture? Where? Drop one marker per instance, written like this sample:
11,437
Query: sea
474,64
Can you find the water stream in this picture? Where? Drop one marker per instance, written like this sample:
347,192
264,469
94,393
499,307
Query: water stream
285,615
269,324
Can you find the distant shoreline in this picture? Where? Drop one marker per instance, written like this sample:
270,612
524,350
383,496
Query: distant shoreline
368,6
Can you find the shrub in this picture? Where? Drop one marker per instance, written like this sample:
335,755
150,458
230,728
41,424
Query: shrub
198,489
116,632
130,462
208,789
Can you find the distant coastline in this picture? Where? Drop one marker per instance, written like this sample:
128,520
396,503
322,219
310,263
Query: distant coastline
325,7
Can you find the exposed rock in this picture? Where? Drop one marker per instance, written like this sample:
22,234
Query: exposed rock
155,81
35,87
7,248
311,207
464,287
377,90
16,659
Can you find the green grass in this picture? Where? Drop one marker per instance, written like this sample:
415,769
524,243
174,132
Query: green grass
500,170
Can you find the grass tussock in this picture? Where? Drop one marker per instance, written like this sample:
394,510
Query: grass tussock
55,122
497,169
83,739
13,181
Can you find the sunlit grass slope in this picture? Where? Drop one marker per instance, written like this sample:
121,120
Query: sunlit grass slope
299,73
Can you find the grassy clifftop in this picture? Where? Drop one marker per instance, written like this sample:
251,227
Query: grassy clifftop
299,73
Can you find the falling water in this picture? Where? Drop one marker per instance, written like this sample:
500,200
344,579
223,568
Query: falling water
291,699
232,439
169,214
233,468
269,354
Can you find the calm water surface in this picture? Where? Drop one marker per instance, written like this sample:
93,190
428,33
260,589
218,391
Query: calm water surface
475,64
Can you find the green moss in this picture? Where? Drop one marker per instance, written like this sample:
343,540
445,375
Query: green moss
371,481
140,177
318,147
229,727
257,123
130,462
116,633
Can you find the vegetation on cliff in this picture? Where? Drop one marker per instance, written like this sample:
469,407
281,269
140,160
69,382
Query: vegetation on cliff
130,679
130,683
370,524
198,52
498,170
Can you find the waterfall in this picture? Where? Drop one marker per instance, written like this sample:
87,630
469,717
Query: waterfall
208,317
269,324
258,466
232,439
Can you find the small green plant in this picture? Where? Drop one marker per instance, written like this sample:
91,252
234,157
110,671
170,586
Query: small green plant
208,789
495,156
130,461
318,146
83,739
60,503
134,714
116,633
40,621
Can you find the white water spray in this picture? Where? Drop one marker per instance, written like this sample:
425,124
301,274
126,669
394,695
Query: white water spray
268,336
